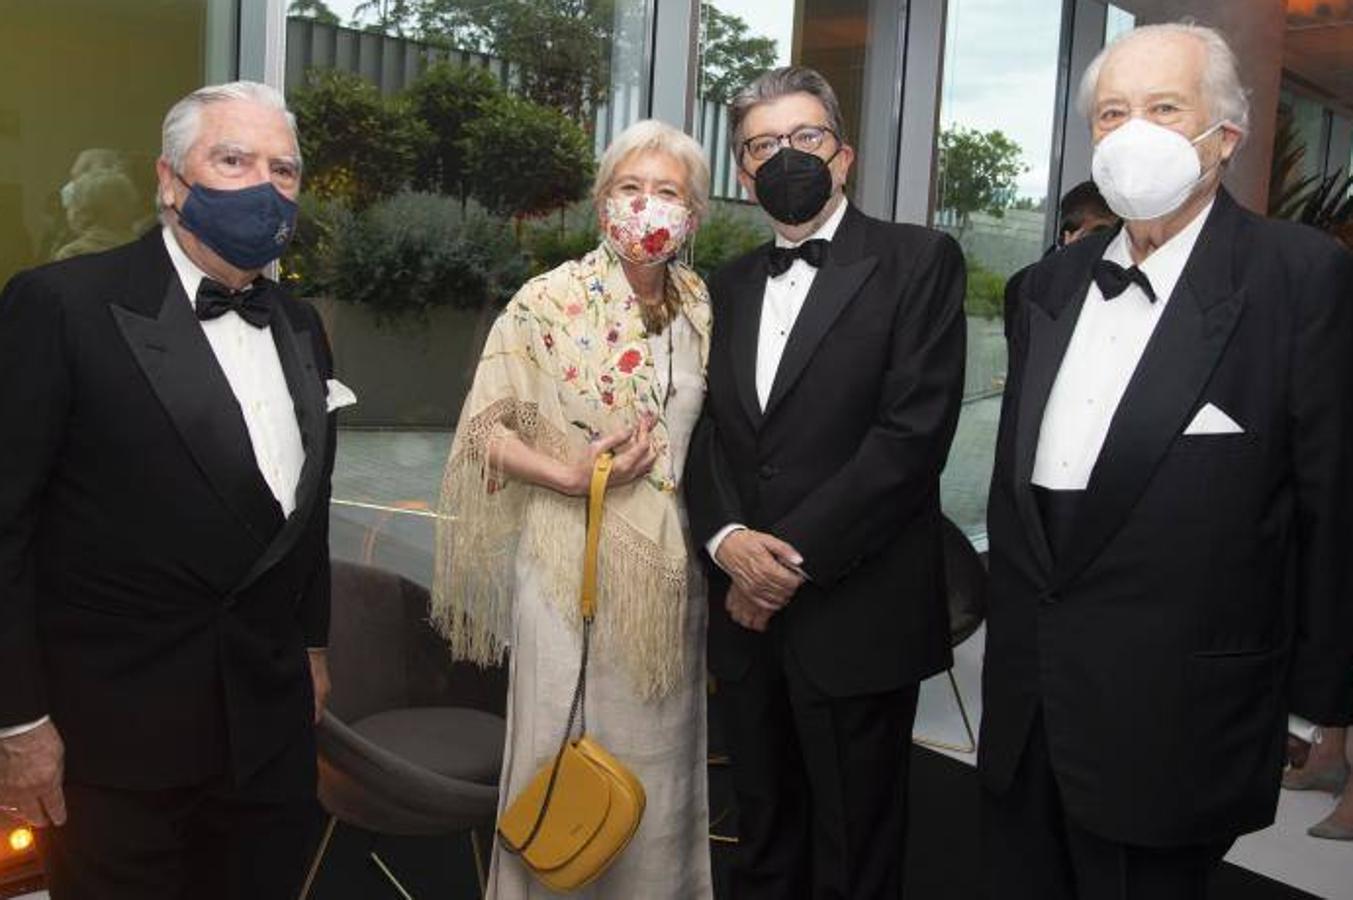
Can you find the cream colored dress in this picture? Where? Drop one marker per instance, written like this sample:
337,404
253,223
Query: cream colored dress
662,741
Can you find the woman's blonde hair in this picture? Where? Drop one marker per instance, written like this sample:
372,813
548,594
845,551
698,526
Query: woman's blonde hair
652,136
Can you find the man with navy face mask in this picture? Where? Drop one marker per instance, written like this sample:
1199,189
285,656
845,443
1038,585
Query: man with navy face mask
164,569
834,382
1171,506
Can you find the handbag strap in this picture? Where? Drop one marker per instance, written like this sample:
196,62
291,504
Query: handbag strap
596,496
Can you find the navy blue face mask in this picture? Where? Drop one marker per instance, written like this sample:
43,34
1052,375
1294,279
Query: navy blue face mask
248,227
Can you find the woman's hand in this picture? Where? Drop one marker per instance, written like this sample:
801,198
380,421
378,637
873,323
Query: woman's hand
633,458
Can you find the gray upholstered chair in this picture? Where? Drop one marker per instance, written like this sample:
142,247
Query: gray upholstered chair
411,743
965,575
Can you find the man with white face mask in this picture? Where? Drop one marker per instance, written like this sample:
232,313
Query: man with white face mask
1171,505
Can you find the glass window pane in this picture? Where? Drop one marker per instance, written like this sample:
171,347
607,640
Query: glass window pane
996,123
739,40
78,149
1309,123
1116,22
448,160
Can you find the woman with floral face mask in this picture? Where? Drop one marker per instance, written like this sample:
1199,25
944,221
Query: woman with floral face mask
605,354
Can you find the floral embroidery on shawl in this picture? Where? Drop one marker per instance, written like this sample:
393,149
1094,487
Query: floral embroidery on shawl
567,361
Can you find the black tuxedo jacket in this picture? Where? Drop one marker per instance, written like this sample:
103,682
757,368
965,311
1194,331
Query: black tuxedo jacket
844,462
153,600
1205,589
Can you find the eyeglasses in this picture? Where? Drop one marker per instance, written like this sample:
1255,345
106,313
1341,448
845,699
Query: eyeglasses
807,138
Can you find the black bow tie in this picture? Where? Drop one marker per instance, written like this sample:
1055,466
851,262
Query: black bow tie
813,252
1113,279
251,304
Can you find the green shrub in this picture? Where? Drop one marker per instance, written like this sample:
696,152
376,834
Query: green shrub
358,146
548,244
986,292
727,233
303,266
413,252
523,160
447,98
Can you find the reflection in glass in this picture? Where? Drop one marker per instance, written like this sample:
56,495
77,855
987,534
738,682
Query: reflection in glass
449,149
996,125
1310,124
1117,22
86,85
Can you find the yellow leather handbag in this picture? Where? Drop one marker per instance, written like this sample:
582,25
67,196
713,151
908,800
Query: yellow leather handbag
581,809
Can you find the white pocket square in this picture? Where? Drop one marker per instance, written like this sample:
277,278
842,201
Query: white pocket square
1211,420
339,395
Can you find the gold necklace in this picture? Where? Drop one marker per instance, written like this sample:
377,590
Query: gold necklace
656,317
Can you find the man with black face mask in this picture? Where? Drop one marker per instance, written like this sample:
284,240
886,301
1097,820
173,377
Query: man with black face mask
835,376
164,569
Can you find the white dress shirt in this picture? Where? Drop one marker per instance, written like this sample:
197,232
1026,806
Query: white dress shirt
249,359
780,307
1107,344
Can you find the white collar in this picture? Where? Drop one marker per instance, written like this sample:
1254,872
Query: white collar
1166,263
826,231
190,274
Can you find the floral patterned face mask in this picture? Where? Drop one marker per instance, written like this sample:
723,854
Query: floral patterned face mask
645,229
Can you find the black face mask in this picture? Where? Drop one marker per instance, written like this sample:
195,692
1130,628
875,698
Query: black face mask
793,186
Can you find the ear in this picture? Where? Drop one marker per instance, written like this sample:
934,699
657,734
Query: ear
845,158
1230,140
748,182
167,183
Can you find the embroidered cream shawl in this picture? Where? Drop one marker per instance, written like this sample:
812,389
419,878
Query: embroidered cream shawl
566,361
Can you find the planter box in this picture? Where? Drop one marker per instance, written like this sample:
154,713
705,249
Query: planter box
411,373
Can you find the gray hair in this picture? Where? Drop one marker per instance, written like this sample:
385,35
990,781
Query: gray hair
779,83
652,136
184,119
1226,97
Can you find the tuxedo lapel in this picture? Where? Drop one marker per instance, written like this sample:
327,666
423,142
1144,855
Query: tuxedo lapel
1179,358
836,284
747,287
296,353
158,323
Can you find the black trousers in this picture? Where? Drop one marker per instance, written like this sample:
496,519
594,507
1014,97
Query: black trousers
821,784
1033,851
213,841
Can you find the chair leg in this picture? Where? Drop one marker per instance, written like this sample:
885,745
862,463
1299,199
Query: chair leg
389,876
963,711
478,852
319,857
971,746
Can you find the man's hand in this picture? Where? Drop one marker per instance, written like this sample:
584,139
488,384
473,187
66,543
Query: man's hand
1298,751
759,564
31,769
746,611
319,678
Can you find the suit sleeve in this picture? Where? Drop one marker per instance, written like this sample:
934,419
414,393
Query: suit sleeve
315,600
712,499
1321,416
896,468
35,395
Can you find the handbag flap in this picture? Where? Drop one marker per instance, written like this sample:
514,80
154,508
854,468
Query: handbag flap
578,807
627,790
